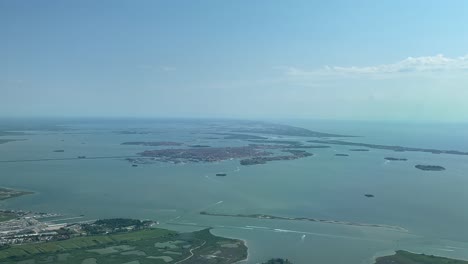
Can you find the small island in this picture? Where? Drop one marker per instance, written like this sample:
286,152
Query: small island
221,174
405,257
199,146
3,141
359,149
395,159
429,167
368,195
341,155
326,221
6,193
59,150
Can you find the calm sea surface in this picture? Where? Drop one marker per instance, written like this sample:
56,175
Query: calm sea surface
432,206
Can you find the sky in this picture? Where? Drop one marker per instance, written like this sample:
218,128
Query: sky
344,60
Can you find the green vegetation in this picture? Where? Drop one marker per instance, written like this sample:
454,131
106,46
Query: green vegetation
405,257
114,225
7,215
143,246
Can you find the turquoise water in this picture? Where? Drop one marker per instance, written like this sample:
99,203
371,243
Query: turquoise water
430,205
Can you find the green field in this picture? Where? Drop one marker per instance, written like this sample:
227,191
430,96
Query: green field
405,257
5,216
144,246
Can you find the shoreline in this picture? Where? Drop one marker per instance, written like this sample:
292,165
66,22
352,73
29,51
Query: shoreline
324,221
7,193
248,255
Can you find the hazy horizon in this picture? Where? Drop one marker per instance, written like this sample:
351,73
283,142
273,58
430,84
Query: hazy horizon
337,60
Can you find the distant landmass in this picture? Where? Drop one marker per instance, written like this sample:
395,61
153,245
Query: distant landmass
238,136
394,148
3,141
265,216
429,167
284,130
395,159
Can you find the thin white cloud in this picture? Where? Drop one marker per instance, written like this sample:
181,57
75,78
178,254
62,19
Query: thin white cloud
164,68
438,63
167,68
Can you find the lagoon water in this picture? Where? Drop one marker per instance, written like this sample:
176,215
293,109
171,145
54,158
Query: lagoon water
431,206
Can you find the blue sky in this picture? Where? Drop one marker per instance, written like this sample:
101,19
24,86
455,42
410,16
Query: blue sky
363,60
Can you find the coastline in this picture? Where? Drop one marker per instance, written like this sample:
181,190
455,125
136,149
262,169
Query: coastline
246,258
380,254
10,193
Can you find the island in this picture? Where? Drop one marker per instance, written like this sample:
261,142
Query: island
120,240
153,143
203,154
6,193
341,155
296,154
273,217
386,147
429,167
251,155
395,159
59,150
221,174
405,257
3,141
289,143
368,195
282,130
